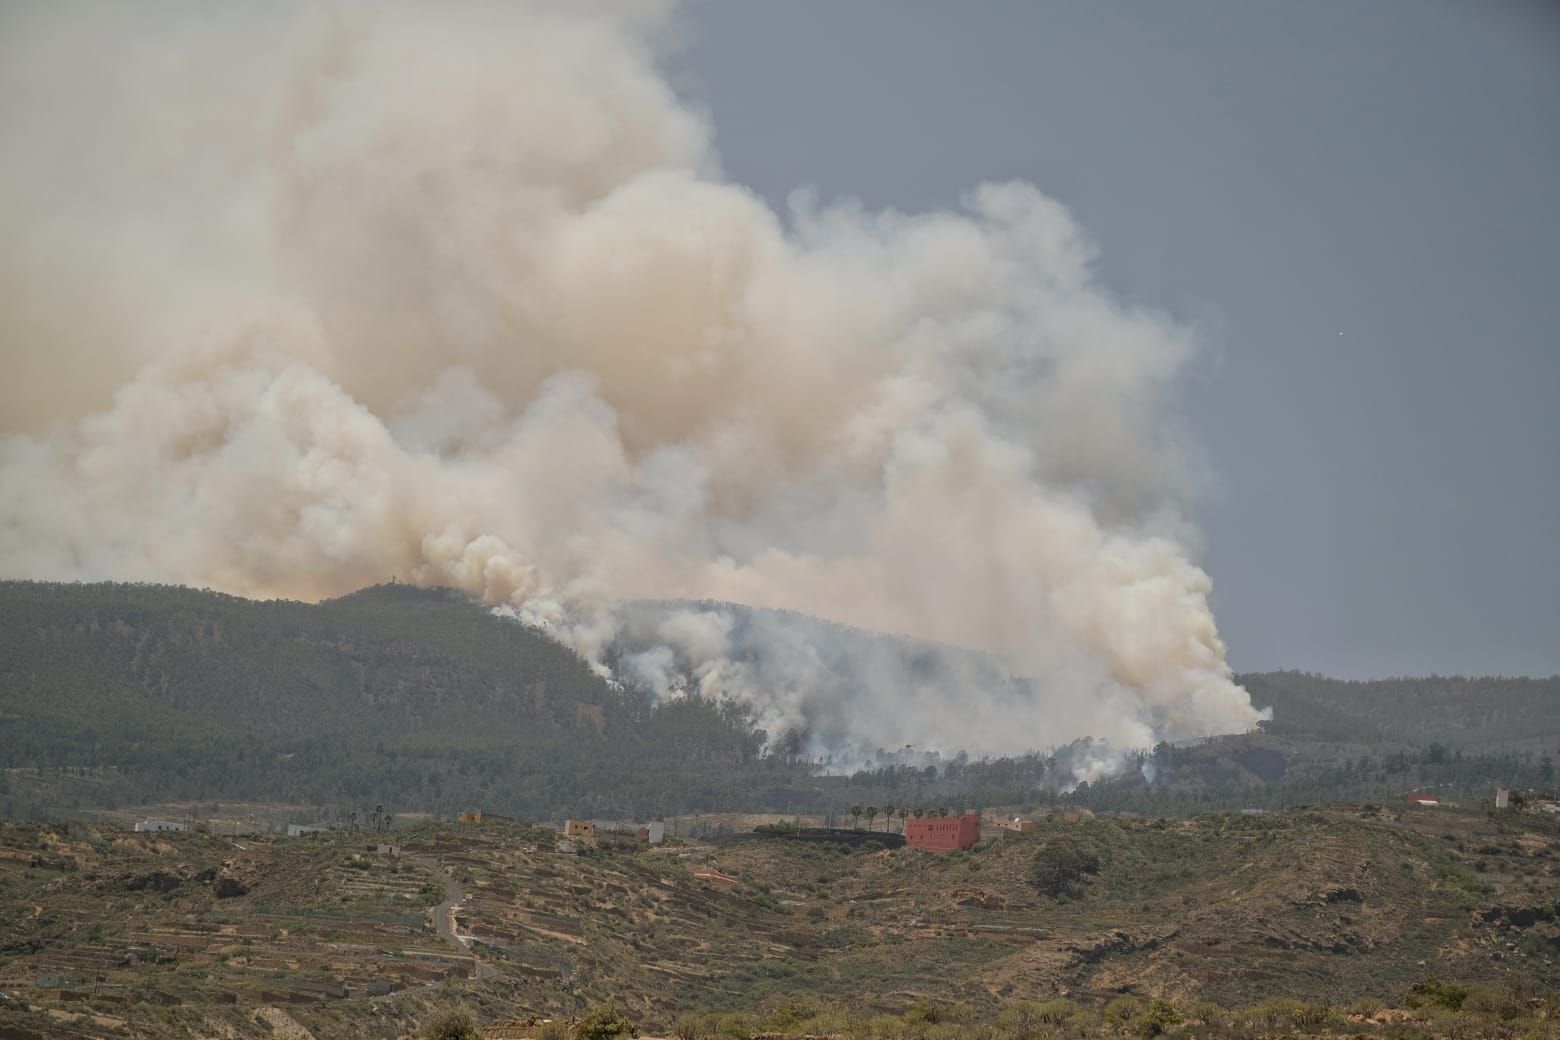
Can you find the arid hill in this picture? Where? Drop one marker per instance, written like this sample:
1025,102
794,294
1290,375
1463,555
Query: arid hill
172,933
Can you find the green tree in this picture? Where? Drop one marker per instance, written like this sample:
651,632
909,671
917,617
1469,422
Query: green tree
856,811
872,812
888,816
1060,866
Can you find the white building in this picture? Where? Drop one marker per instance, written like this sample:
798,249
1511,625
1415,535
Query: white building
161,825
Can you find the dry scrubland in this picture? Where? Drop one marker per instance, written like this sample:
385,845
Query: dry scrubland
1309,921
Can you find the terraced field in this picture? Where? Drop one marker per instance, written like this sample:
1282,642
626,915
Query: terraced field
192,934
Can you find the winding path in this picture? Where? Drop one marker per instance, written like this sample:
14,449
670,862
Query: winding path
444,917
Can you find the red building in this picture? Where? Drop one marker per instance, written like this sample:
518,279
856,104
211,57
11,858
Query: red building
939,835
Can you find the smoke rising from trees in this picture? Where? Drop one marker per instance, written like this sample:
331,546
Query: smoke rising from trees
299,297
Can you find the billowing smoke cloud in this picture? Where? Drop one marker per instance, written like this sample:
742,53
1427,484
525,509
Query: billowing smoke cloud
297,297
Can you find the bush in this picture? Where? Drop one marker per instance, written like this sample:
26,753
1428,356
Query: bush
1276,1012
885,1027
603,1023
1161,1015
450,1023
1028,1017
1431,993
553,1029
785,1017
1314,1017
1122,1010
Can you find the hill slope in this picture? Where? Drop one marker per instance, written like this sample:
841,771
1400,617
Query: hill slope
1335,906
1473,714
416,698
421,699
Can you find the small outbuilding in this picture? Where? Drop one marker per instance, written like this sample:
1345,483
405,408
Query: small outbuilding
582,831
161,825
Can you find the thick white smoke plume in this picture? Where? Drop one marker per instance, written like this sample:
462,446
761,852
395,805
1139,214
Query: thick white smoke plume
298,297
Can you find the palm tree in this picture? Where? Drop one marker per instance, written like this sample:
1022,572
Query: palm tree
888,815
378,816
904,814
872,812
856,811
920,813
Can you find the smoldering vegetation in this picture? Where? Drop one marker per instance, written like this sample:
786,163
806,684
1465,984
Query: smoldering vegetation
843,697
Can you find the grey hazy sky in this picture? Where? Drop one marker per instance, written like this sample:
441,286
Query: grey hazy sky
1386,501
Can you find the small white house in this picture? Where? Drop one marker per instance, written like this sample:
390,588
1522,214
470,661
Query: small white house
161,825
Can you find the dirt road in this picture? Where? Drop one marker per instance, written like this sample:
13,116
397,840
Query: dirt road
444,917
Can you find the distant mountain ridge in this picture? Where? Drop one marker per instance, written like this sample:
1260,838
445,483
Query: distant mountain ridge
1471,713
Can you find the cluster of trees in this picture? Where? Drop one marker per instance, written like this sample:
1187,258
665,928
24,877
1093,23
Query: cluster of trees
889,811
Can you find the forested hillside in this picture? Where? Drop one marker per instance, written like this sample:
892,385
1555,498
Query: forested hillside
422,700
1471,714
414,698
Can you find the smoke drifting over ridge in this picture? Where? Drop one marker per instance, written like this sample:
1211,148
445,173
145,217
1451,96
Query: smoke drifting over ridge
304,296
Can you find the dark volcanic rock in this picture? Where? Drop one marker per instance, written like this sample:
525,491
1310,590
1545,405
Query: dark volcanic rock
150,881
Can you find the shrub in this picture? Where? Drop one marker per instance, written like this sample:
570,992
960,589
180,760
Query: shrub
1161,1015
449,1023
553,1029
603,1023
886,1027
731,1025
785,1017
1432,993
1314,1017
1276,1012
1122,1010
